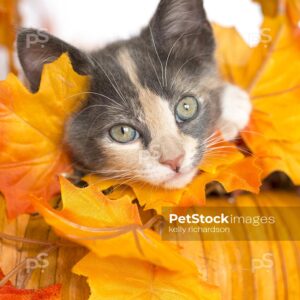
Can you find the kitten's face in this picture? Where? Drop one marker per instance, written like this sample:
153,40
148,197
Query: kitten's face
145,127
153,101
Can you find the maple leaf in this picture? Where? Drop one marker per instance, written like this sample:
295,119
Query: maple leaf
109,227
247,268
272,134
272,8
9,292
9,19
31,133
118,278
294,11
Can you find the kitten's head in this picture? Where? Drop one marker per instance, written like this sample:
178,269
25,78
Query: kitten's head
153,99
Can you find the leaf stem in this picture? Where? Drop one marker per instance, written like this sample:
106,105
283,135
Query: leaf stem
4,236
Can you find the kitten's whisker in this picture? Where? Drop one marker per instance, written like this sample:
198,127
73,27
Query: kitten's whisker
116,84
168,57
228,127
242,150
254,132
212,135
216,153
98,94
120,90
234,146
170,52
217,142
105,105
76,115
115,88
160,61
156,74
214,139
122,178
222,147
211,139
91,127
180,69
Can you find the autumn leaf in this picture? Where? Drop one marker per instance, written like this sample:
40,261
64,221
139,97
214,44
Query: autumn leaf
294,11
149,196
109,227
235,266
31,129
8,18
119,278
9,21
37,238
9,292
272,8
270,72
242,175
276,116
232,169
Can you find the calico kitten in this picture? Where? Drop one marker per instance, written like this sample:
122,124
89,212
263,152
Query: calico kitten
154,100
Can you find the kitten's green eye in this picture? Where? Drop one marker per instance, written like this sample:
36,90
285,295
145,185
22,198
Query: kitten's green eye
186,109
123,134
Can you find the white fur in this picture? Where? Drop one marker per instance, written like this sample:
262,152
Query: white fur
236,110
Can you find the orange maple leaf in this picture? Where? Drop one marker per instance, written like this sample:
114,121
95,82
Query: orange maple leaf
118,278
31,133
270,72
9,20
118,262
9,292
109,227
294,11
271,8
245,268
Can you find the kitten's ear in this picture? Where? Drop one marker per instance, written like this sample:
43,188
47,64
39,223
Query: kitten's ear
183,23
37,48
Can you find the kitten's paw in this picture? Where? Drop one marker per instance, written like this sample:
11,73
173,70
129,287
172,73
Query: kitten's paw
236,110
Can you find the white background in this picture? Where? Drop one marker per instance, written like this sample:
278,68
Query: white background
92,23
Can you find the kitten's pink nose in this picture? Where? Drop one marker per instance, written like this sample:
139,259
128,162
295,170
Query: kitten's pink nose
174,163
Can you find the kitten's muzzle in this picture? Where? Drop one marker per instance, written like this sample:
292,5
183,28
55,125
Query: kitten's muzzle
174,163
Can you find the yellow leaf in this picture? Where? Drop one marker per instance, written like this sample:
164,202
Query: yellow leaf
110,227
273,133
294,11
117,278
31,129
9,21
250,269
270,72
273,7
